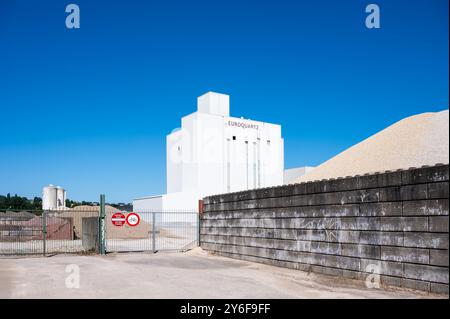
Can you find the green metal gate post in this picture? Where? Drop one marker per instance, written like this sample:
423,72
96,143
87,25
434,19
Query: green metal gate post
198,229
44,232
199,217
101,226
153,232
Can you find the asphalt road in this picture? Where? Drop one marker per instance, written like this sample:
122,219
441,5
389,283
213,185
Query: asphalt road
170,275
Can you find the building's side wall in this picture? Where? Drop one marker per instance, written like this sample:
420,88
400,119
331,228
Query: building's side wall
218,157
190,152
209,148
272,154
154,203
393,223
174,163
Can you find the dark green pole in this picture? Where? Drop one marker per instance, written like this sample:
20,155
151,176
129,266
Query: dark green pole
154,232
44,232
101,224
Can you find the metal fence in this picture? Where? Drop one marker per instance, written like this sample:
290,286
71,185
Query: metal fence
155,231
42,232
51,232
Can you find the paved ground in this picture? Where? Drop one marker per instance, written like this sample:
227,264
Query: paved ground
170,275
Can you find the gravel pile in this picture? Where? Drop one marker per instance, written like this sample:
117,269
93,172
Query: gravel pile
415,141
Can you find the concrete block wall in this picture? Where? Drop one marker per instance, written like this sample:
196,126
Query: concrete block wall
393,222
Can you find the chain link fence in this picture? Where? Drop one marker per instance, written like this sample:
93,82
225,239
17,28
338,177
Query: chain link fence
42,232
154,231
25,232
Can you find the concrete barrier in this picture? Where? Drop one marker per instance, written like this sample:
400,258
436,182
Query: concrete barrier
90,234
392,223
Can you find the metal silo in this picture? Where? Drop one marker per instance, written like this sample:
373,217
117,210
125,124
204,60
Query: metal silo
60,197
49,197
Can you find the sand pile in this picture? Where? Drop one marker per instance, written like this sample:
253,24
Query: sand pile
197,251
415,141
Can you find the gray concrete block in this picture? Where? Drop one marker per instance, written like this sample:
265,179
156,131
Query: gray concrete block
316,211
368,195
312,234
314,187
439,257
381,209
438,190
438,224
299,200
381,238
217,215
403,254
426,175
364,223
250,232
360,251
319,223
90,233
391,281
425,207
414,192
390,194
206,206
426,273
439,288
329,235
339,185
326,248
343,236
405,224
327,271
334,261
379,180
346,197
351,274
389,179
389,268
426,240
295,245
416,284
299,189
367,181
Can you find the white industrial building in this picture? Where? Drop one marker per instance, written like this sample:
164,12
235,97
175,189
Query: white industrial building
53,198
214,153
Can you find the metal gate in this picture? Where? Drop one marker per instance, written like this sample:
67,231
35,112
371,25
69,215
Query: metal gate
43,232
154,231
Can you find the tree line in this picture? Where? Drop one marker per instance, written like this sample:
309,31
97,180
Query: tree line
20,202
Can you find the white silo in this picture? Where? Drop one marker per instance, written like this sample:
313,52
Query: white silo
49,197
60,197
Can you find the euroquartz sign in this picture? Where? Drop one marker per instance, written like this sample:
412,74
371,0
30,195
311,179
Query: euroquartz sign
242,124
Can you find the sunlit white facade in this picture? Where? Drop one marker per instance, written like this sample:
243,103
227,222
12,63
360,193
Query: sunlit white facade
214,153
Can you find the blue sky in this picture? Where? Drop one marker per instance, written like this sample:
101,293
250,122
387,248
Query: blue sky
89,109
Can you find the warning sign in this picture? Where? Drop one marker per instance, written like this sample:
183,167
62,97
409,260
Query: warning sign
133,219
118,219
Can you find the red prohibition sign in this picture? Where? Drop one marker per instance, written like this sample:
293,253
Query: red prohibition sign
133,219
118,219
